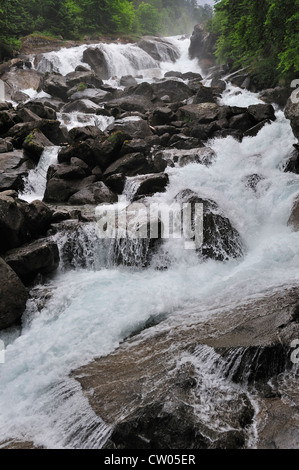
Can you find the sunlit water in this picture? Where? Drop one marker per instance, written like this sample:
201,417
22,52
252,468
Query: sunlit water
90,311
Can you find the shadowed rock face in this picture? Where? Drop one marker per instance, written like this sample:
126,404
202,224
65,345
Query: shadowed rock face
156,389
13,296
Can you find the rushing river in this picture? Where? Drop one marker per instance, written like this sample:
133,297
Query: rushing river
90,311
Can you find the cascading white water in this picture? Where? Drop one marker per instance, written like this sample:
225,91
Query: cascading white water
91,311
35,183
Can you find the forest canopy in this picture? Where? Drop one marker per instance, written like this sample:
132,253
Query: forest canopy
260,34
72,19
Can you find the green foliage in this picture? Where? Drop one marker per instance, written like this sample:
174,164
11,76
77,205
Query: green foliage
81,87
71,19
263,35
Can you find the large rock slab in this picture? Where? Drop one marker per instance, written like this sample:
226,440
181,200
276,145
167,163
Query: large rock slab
97,61
292,113
13,296
40,256
168,385
14,166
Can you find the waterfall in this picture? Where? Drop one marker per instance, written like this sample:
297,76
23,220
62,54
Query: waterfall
35,182
107,289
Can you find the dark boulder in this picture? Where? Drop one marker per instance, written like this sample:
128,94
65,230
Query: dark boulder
161,116
51,129
253,131
5,146
35,143
55,85
97,61
38,217
96,193
14,166
86,78
13,296
116,182
12,223
278,95
204,95
133,146
134,128
107,148
262,112
78,134
128,81
6,121
242,122
130,165
41,109
202,47
40,256
221,241
82,106
95,95
176,90
67,171
202,113
151,184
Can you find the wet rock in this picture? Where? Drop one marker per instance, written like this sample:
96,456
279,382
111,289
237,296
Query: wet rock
161,116
40,256
150,184
127,81
221,241
97,96
134,103
13,296
97,61
253,131
133,146
278,95
87,78
26,115
202,47
43,110
35,143
14,166
159,49
19,97
96,193
81,106
5,146
59,190
6,121
107,148
55,85
78,134
202,113
51,129
134,128
262,112
38,217
293,163
130,165
182,157
204,95
176,90
116,182
12,223
82,150
67,171
241,122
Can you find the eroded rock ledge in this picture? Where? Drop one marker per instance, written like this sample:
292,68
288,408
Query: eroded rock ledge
157,388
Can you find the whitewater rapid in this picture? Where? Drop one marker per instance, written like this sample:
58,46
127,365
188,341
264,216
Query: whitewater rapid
90,311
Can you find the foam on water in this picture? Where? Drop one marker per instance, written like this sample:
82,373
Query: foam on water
90,311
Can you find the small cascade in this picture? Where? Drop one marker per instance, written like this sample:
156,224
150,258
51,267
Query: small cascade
35,183
76,119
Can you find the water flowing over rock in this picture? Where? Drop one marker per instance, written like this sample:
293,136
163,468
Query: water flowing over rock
158,48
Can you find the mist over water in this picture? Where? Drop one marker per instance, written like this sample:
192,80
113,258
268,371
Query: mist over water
90,311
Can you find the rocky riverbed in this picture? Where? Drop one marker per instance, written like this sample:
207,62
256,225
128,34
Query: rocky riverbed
225,382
